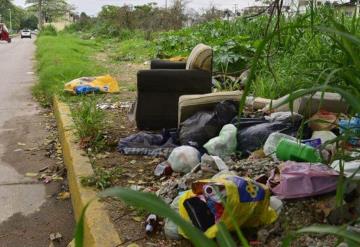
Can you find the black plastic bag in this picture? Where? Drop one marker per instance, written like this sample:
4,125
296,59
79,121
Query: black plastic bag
253,132
202,126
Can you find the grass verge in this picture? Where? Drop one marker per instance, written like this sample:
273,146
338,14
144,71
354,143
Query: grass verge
62,58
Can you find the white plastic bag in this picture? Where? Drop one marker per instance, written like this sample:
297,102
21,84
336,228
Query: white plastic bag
225,144
184,158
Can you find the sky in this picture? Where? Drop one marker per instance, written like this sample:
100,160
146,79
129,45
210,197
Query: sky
92,7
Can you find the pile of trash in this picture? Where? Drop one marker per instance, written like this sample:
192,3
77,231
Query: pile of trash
206,175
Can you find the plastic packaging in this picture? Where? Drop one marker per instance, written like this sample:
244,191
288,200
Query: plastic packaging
294,151
163,169
151,223
323,120
351,168
225,144
299,180
248,200
184,158
214,163
202,126
314,142
353,127
325,136
253,133
272,142
104,84
170,228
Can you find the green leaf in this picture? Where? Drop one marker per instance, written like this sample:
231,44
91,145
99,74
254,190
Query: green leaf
223,237
79,232
157,206
339,231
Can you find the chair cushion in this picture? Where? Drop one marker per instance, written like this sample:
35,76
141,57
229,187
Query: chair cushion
200,58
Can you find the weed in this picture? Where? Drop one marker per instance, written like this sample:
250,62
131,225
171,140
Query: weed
89,123
102,178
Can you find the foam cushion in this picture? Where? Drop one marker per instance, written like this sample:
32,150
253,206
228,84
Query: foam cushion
200,58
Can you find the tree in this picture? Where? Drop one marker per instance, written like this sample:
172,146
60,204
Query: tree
49,10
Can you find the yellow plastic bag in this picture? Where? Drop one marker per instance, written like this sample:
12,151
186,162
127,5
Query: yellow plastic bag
248,201
105,84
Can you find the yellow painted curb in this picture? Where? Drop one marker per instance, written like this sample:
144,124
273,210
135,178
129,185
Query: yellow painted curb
99,230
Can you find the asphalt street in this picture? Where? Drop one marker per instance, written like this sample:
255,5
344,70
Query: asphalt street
29,210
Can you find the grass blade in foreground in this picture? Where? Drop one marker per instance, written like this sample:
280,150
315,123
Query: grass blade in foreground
79,232
223,237
339,231
155,205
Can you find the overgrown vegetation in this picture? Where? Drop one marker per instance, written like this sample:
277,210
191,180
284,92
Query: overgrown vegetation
61,59
89,123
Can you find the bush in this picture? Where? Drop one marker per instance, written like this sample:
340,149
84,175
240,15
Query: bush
48,30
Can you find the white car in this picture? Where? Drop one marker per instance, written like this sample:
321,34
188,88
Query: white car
25,34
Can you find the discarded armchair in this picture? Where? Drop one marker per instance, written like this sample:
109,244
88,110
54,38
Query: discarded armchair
160,87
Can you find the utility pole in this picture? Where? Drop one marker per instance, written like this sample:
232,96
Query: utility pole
166,6
10,21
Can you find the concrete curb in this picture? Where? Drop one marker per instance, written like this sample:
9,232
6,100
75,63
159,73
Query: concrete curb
99,230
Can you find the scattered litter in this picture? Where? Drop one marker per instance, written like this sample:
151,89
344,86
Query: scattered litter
295,151
213,163
137,219
170,228
31,174
276,204
273,141
225,144
253,132
184,158
145,143
151,223
248,200
84,85
202,126
55,236
63,195
323,120
163,169
299,180
18,150
351,168
21,144
315,143
352,127
325,136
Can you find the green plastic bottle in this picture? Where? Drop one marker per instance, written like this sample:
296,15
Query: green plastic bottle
294,151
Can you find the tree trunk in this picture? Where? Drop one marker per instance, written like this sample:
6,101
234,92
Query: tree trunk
40,14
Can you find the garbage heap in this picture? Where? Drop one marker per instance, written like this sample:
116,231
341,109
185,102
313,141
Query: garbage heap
220,167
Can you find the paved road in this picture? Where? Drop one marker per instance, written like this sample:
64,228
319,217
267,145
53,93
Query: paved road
29,210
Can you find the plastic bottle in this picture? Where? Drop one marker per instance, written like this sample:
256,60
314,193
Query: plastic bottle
294,151
151,224
352,126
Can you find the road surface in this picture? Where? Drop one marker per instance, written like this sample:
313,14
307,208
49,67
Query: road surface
29,210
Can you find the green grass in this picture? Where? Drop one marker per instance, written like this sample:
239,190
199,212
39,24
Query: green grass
61,59
136,50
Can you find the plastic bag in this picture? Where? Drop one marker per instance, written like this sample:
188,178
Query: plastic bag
253,133
299,180
272,142
351,168
323,120
170,228
248,200
83,85
202,126
184,158
225,144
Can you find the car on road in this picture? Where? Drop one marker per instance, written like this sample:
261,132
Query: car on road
25,33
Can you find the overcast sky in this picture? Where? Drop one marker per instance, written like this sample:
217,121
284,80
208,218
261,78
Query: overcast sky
92,7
